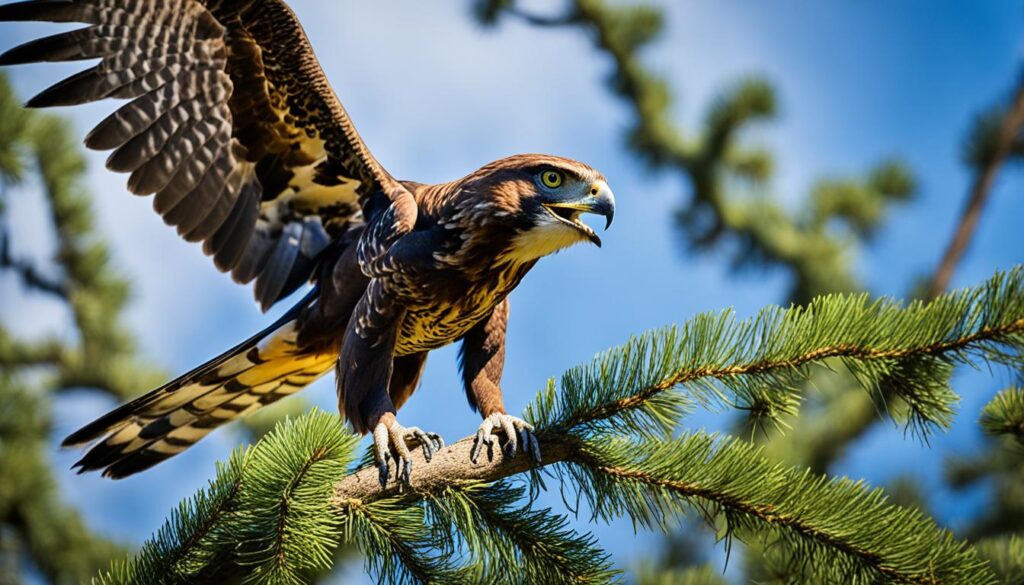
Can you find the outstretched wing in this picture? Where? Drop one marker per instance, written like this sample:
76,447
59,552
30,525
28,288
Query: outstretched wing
232,125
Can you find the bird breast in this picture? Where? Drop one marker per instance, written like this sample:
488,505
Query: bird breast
452,311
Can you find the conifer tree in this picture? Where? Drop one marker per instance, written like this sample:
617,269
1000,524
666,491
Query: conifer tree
37,529
276,511
609,430
804,244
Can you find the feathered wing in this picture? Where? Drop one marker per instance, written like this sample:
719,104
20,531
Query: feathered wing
231,124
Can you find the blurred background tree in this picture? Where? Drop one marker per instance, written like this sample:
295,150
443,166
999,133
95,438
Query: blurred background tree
39,533
728,207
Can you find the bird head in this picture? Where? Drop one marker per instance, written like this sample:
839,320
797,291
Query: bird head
542,199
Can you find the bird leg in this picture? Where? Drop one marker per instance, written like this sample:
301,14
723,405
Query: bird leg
509,426
393,441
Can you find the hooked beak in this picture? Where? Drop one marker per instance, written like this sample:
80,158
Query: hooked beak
600,201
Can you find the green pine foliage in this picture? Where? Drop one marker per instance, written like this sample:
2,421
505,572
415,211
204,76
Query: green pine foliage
508,542
729,206
808,379
815,243
700,575
1006,557
836,530
758,364
36,525
264,519
1004,415
269,516
38,531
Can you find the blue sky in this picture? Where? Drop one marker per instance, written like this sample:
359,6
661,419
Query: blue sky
436,96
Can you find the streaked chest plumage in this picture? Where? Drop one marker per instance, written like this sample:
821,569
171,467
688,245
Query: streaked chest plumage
452,313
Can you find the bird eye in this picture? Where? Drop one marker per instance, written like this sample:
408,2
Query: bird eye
551,179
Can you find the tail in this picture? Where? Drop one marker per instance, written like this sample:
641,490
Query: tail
172,418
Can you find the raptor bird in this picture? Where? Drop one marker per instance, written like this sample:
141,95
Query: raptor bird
234,129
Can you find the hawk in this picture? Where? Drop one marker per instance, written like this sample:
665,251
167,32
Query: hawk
234,129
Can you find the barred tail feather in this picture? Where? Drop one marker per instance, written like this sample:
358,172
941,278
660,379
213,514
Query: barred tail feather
172,418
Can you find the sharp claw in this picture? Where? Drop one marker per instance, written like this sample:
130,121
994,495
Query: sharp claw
518,437
535,448
425,444
392,444
509,429
510,448
407,472
477,445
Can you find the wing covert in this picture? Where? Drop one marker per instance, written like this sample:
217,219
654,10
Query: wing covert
232,126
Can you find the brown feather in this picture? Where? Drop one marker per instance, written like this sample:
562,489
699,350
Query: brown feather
226,85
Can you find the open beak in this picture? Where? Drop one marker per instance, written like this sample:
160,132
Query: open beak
600,201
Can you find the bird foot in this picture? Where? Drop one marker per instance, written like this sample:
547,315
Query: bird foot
393,441
509,426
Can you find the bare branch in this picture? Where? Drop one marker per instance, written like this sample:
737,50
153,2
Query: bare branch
1009,130
449,466
28,272
543,20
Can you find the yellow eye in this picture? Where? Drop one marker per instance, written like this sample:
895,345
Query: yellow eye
551,179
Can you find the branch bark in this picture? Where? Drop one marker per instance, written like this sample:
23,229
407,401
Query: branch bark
1009,129
451,465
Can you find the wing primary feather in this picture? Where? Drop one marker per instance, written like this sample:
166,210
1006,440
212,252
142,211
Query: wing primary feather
47,11
186,177
207,77
193,209
69,46
272,280
217,212
82,87
229,242
140,114
157,173
168,130
255,257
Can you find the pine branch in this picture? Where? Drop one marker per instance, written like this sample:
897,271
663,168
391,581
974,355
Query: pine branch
35,524
284,513
813,249
809,513
397,542
1004,415
511,543
192,541
699,575
843,532
639,388
15,353
30,275
1006,557
265,517
604,432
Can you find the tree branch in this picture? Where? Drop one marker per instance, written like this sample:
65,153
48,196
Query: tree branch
452,464
1009,129
29,274
449,466
543,20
